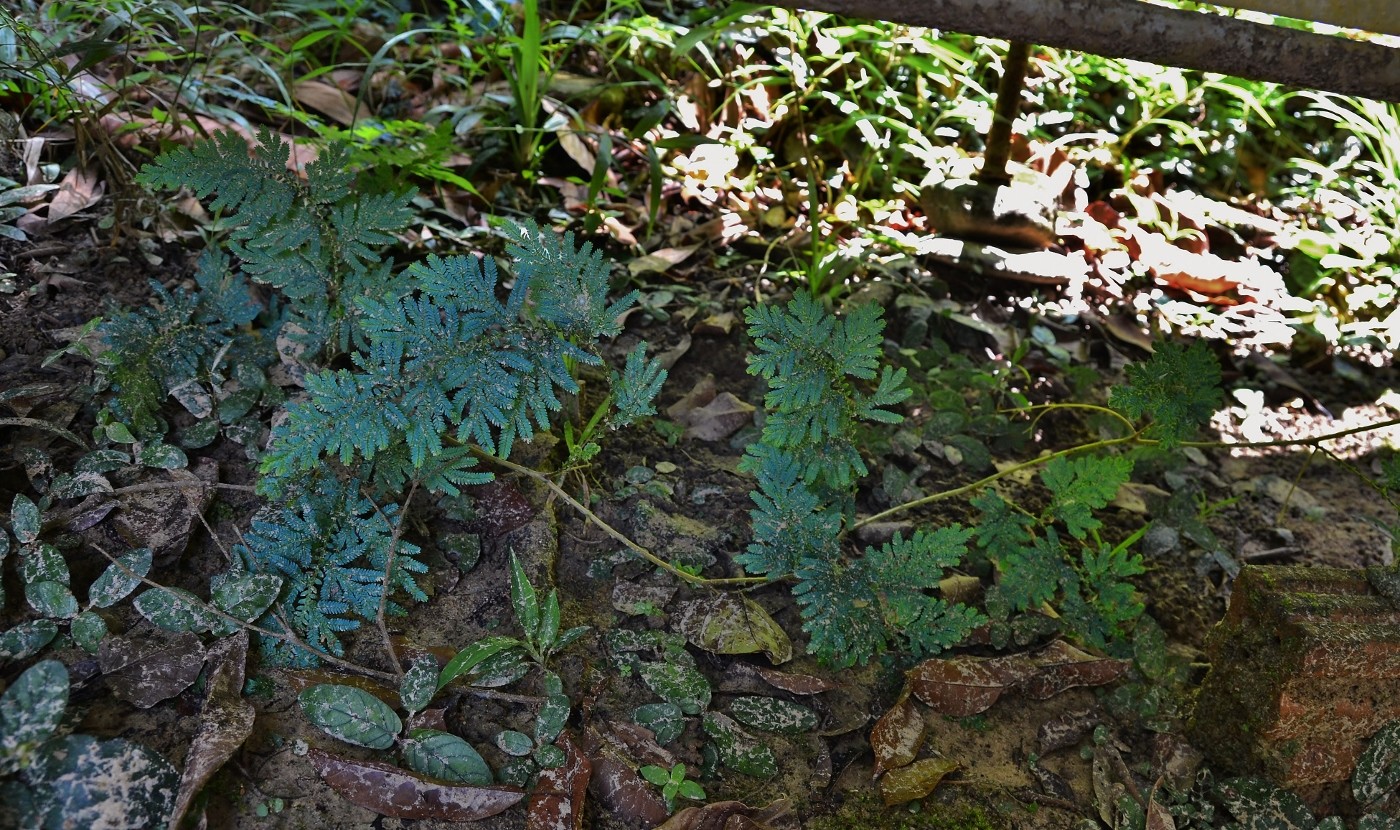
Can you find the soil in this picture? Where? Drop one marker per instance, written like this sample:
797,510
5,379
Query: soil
687,502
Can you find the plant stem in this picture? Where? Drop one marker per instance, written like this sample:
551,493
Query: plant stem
686,576
1135,439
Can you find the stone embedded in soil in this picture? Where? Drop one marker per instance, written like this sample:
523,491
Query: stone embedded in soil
1305,668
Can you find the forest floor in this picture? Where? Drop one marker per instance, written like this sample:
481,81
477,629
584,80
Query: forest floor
687,501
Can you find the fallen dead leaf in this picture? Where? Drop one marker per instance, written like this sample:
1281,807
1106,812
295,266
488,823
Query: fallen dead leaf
331,101
734,815
915,781
398,793
558,799
897,735
225,722
732,624
146,669
719,419
79,190
660,261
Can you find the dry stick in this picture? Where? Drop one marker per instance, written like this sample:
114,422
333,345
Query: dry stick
693,579
266,632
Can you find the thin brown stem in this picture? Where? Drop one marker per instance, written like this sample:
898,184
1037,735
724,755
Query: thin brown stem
693,579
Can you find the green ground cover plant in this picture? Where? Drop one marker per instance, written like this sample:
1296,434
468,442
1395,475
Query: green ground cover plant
413,384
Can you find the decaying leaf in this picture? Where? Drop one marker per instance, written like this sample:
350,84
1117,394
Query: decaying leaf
660,261
500,508
397,793
914,781
797,684
1061,666
620,790
734,815
558,800
734,624
897,735
718,419
225,722
146,669
963,686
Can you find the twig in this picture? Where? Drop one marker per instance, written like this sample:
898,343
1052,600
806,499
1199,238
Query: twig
686,576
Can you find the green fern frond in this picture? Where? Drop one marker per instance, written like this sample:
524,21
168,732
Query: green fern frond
635,390
809,359
1178,389
790,526
1082,485
331,549
452,357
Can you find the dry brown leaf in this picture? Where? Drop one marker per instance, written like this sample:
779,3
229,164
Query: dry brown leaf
331,101
398,793
797,684
558,799
897,735
225,722
1061,666
719,419
915,781
662,260
79,190
964,686
146,669
733,624
624,794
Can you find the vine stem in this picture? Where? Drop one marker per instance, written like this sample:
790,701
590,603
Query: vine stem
983,482
266,632
683,575
1135,439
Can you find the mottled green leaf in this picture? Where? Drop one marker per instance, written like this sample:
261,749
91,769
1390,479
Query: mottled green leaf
52,599
162,457
419,684
31,708
682,685
471,656
446,756
665,720
25,519
175,609
550,719
771,714
111,783
1378,770
88,629
26,639
739,750
514,743
116,583
352,715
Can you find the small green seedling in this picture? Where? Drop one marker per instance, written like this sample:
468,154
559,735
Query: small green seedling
672,784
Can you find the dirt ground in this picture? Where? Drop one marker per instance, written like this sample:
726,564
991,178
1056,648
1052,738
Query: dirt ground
687,502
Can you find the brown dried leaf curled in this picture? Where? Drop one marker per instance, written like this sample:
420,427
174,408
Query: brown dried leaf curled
398,793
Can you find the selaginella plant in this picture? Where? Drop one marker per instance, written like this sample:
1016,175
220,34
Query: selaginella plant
825,378
444,364
854,605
